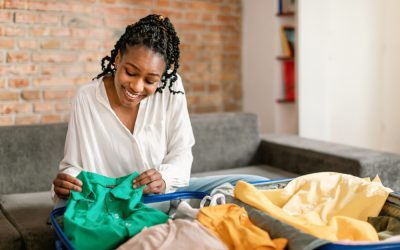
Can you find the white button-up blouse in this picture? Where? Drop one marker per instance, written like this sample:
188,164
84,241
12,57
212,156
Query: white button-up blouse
98,142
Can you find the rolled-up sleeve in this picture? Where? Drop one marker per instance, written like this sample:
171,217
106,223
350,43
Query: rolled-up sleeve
176,165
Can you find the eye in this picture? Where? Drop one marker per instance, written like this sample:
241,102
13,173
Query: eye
151,82
129,73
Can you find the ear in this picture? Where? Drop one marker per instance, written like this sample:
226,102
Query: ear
117,59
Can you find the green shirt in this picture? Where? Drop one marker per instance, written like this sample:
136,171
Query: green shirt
107,212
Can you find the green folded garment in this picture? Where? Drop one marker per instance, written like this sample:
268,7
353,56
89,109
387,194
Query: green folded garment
107,212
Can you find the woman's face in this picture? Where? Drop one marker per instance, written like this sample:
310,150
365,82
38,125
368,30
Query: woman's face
138,74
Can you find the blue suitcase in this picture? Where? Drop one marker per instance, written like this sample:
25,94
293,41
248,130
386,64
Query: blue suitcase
164,201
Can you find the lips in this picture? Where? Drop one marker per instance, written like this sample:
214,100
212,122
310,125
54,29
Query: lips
132,97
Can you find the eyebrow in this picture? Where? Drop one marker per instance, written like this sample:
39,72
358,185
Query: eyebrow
136,67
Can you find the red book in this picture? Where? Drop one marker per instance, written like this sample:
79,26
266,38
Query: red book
289,80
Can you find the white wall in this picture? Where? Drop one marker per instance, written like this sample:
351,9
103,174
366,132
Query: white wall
258,58
347,75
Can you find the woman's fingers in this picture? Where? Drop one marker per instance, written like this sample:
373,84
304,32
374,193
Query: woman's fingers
146,177
153,181
64,183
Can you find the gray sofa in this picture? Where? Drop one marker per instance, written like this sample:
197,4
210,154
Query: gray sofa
225,143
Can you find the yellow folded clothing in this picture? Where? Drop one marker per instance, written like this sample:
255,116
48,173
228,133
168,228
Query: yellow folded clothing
231,224
328,205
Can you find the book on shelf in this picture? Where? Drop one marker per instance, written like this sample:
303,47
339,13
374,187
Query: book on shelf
286,7
289,80
287,41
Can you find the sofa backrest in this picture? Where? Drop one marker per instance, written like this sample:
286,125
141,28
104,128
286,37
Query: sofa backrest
30,155
224,140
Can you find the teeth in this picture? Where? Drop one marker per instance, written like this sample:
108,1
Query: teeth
130,94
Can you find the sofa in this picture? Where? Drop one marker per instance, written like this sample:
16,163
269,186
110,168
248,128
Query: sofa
226,143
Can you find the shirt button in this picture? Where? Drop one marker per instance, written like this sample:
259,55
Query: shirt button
128,224
116,216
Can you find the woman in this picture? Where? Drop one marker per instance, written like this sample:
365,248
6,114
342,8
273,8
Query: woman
126,120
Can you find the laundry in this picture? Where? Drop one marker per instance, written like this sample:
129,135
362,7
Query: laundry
176,234
231,224
107,212
386,226
276,229
329,205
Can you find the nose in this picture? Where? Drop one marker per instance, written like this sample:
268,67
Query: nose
137,85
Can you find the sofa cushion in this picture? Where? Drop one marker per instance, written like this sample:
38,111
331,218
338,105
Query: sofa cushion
31,150
224,141
29,213
261,170
9,236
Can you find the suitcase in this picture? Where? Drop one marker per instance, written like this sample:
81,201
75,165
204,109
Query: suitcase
164,202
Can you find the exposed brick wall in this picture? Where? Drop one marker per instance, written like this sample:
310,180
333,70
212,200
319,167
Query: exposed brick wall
49,48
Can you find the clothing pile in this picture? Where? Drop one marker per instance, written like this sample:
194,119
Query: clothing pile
309,212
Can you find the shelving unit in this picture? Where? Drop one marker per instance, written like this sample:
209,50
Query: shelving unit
286,120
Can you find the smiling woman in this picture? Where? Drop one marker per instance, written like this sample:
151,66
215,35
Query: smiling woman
126,121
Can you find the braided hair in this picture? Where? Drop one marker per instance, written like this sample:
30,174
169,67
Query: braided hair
157,33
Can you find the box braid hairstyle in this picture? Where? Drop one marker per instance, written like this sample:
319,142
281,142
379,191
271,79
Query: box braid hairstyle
157,33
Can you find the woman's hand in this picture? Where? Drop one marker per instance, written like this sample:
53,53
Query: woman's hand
152,179
63,183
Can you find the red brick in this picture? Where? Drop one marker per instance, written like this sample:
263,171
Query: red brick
48,6
206,109
63,106
30,94
232,107
7,43
15,4
36,18
60,32
7,95
83,44
81,21
5,16
51,69
27,44
108,1
51,119
17,56
58,94
26,119
18,70
51,81
43,107
15,108
50,44
74,69
6,120
2,57
137,2
58,57
14,31
201,5
18,83
214,88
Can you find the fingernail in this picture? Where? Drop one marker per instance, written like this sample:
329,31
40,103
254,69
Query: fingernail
134,185
78,189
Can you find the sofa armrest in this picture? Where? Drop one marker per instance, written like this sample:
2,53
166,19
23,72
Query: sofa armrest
303,156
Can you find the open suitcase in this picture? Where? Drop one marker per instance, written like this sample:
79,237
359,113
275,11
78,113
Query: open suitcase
165,202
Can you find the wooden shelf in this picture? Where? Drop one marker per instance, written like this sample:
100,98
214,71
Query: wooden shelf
288,14
285,58
285,101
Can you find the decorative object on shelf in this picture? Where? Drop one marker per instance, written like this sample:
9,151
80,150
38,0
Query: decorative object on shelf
286,7
287,40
